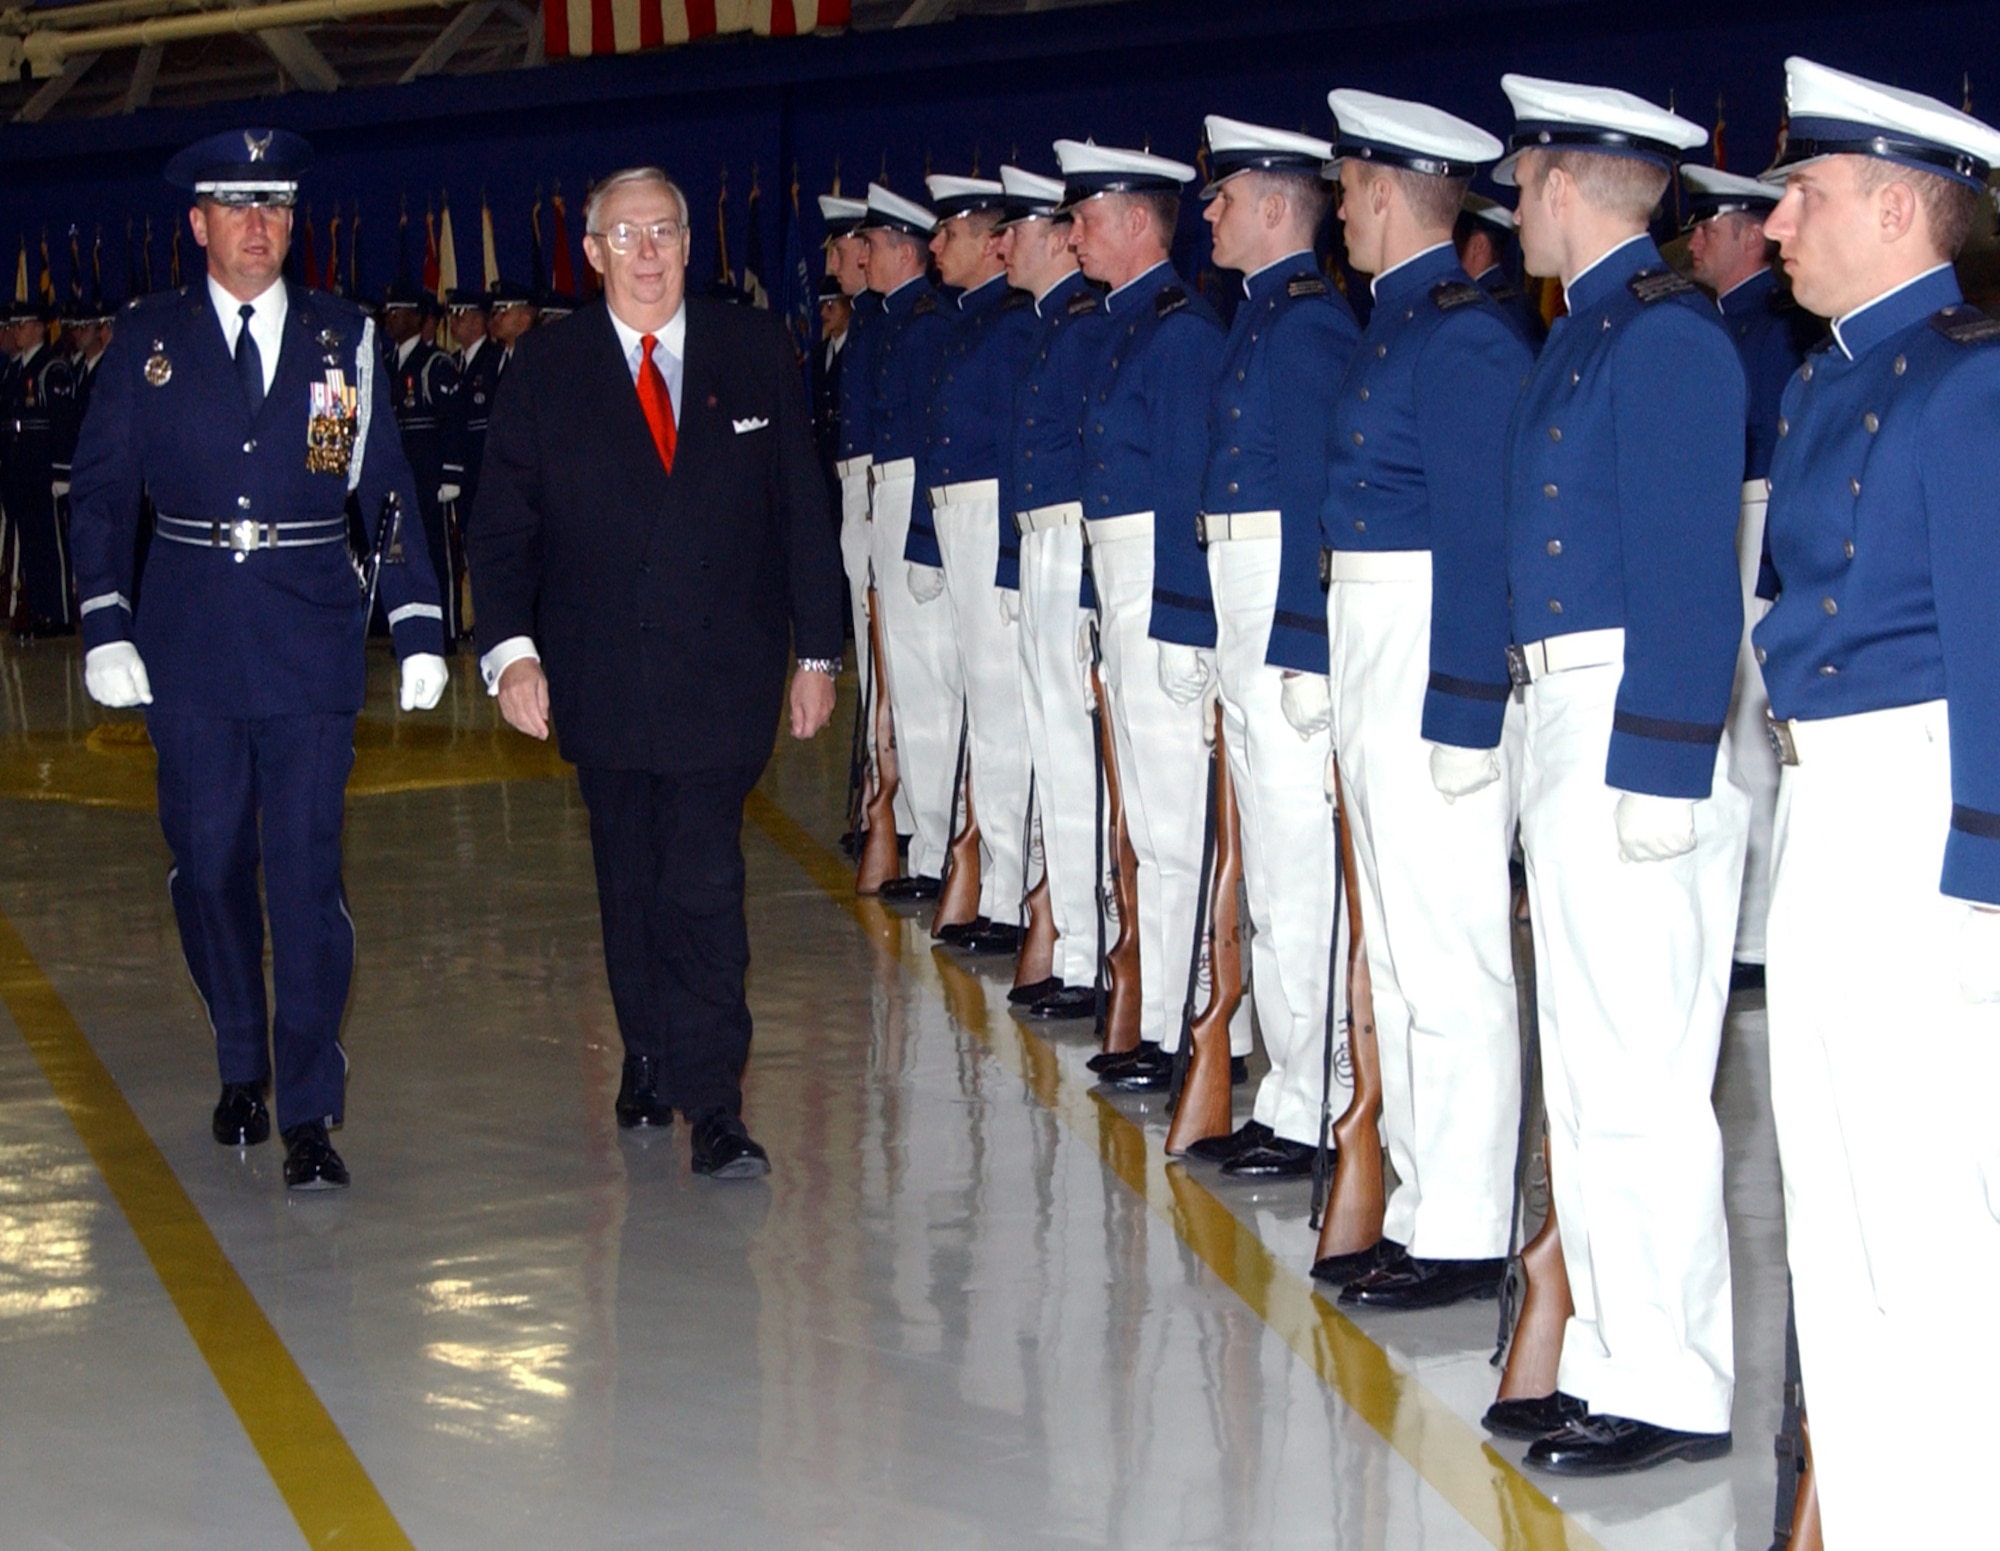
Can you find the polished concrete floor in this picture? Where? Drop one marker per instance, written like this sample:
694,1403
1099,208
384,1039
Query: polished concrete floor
973,1306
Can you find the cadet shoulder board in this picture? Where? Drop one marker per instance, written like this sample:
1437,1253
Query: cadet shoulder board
924,305
1964,325
1016,300
1083,302
1305,285
1656,285
1170,301
1447,294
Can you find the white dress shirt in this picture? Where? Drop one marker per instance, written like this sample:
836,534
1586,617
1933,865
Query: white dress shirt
267,323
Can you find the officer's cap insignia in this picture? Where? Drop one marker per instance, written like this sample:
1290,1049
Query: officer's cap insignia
1447,294
159,370
1657,285
1305,285
1083,302
1170,301
1966,326
256,147
925,305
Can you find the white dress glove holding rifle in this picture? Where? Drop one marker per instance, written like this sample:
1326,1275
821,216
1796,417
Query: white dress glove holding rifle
1184,672
1458,772
1654,829
1307,701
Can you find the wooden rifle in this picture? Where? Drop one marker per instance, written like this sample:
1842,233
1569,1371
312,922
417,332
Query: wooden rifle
958,892
879,860
1118,1026
1356,1204
1202,1102
1037,961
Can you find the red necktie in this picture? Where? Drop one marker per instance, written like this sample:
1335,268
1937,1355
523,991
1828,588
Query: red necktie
653,399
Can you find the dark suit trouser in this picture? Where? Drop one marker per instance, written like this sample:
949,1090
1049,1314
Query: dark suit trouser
669,854
40,531
233,792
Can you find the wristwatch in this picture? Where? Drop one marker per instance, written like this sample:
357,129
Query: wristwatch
830,666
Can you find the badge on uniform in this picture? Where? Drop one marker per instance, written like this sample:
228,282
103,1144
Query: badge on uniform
159,370
330,430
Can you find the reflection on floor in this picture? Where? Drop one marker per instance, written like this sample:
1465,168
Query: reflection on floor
973,1306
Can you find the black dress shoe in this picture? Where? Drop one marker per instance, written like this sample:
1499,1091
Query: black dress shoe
1342,1269
1069,1002
1034,991
723,1149
639,1102
1276,1159
1239,1071
1744,976
240,1119
1615,1445
310,1161
1149,1069
908,890
1220,1149
1104,1060
995,939
1416,1283
957,934
1533,1417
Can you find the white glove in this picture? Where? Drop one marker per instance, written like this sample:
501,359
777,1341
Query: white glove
1458,772
1652,829
1307,701
115,676
1211,697
1979,955
59,488
1184,671
1010,606
926,582
424,678
447,494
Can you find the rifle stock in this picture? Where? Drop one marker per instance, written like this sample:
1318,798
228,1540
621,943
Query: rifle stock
958,895
1805,1519
1357,1203
879,861
1038,948
1121,959
1536,1348
1203,1108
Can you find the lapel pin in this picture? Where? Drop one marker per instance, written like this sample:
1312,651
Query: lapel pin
159,370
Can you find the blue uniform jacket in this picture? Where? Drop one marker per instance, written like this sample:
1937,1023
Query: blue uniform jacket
426,397
1044,453
907,349
857,377
1516,306
277,631
981,361
1269,420
1885,529
1772,334
1419,443
1145,437
1624,479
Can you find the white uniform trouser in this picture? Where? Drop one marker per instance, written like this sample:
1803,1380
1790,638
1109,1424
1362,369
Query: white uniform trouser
1883,1084
1632,977
854,557
1288,852
968,534
926,694
1436,920
1753,762
1059,740
1163,773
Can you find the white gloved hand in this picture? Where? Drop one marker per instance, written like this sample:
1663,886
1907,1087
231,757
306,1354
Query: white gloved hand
1457,772
1184,671
447,494
1979,955
1307,701
926,582
1653,829
115,675
424,678
1211,697
1010,606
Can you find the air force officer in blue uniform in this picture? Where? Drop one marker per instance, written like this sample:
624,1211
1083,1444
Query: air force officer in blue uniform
251,411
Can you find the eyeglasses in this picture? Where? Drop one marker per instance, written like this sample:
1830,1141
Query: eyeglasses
624,237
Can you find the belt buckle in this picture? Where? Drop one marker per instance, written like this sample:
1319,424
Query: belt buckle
1517,666
243,535
1325,566
1783,743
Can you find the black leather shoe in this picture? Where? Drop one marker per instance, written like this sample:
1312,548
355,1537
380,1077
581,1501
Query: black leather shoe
1149,1069
1534,1417
1275,1159
960,932
905,891
723,1149
1342,1269
1239,1071
240,1119
1035,991
1104,1060
1415,1283
995,939
1220,1149
1744,976
1069,1002
1616,1445
639,1102
310,1161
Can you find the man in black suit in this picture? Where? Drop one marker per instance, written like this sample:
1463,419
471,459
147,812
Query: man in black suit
653,540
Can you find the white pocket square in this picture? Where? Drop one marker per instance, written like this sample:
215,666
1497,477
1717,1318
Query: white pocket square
752,424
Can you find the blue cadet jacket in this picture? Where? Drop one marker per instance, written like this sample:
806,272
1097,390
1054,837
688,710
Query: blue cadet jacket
1624,481
1772,334
982,359
1520,310
1885,527
271,631
857,377
1269,420
908,345
424,387
1044,454
1418,449
1145,437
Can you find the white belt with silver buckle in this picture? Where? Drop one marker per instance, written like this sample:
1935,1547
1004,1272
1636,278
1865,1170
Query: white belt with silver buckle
1221,527
1133,525
1064,514
964,493
1380,565
846,468
896,468
1562,653
244,535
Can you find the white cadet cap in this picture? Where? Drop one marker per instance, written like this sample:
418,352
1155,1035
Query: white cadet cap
1712,193
1030,196
1833,113
893,213
841,216
1089,170
1410,135
1490,211
1562,115
1234,146
962,196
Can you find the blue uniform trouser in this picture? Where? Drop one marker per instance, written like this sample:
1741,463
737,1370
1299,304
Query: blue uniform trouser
234,793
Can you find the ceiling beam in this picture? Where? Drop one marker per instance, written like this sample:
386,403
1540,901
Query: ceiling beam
458,31
145,73
301,59
920,13
536,52
37,107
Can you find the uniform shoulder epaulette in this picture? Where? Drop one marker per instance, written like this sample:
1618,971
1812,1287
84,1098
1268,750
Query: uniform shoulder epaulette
1306,284
1016,300
1170,301
1964,325
1447,294
1656,285
1085,301
1505,291
924,305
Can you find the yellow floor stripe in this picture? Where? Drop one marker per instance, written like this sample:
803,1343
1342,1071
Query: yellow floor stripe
315,1471
1452,1457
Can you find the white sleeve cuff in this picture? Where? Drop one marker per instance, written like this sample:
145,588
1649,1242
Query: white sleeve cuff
503,657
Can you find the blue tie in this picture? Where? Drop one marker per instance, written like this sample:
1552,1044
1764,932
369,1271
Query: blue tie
249,362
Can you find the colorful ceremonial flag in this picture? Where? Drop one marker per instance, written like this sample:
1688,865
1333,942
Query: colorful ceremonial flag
753,248
21,272
801,293
447,251
174,258
724,274
75,270
572,29
433,283
47,288
1715,140
561,273
308,255
489,262
333,251
354,286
